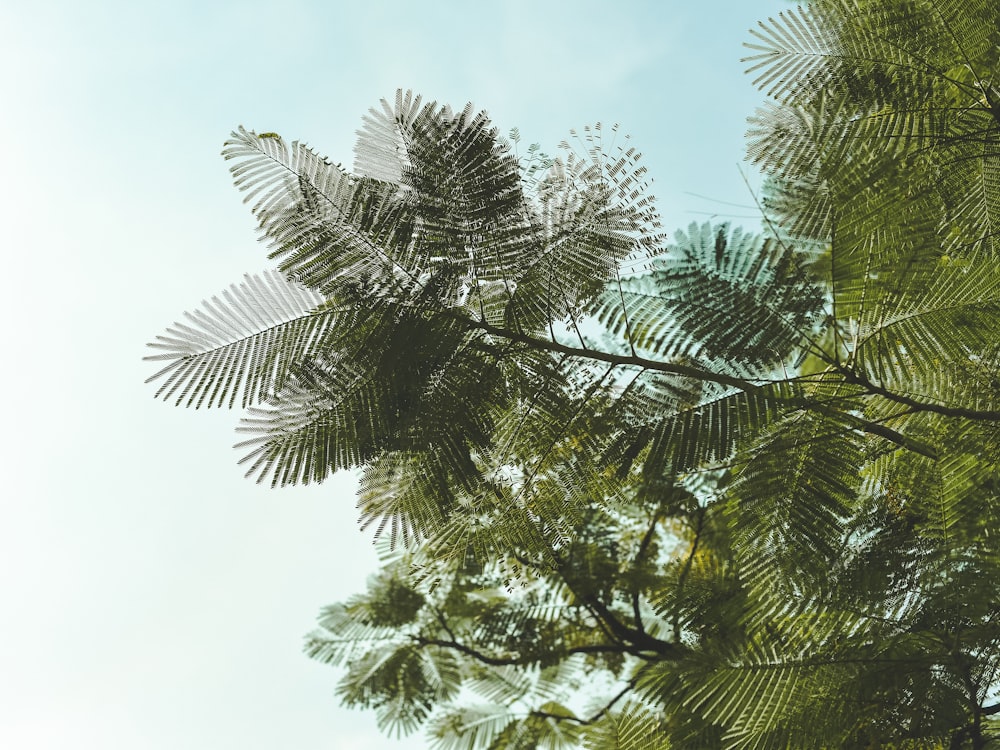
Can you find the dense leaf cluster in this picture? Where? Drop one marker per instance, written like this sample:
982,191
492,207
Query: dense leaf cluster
732,490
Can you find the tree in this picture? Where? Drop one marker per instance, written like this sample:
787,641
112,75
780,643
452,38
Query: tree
733,490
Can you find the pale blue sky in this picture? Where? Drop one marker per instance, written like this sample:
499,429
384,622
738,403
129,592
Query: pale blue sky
151,597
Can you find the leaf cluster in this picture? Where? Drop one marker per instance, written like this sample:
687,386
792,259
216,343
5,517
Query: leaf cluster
734,490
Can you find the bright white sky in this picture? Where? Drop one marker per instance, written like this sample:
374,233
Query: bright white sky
150,597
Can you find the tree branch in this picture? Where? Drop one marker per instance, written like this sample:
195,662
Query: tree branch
583,722
500,661
686,570
689,371
700,374
647,539
747,386
640,642
948,411
991,710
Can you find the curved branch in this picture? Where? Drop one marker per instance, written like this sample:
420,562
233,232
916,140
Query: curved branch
689,371
647,539
686,570
948,411
701,374
583,722
501,661
641,643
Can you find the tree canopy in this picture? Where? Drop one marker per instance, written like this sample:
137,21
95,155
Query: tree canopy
728,489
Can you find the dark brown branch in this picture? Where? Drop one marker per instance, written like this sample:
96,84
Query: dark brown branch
638,643
647,539
872,427
698,373
634,641
686,570
695,373
747,386
948,411
583,722
500,661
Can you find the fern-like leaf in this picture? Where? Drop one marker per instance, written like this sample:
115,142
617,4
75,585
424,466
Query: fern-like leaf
245,345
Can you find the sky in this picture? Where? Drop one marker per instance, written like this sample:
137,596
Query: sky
150,596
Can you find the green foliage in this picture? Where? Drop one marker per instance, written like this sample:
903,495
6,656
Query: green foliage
735,491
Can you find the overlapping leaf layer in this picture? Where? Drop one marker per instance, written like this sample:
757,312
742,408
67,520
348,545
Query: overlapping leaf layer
733,490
